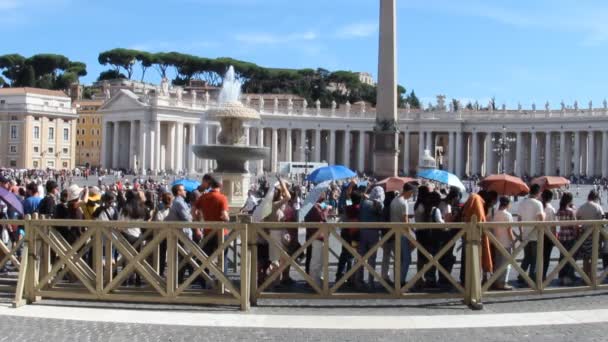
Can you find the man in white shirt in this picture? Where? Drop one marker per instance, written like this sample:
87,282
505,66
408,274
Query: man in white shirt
399,213
530,209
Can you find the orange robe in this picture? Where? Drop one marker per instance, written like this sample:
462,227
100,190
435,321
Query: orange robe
475,207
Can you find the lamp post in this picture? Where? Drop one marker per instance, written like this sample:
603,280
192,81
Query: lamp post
502,145
307,151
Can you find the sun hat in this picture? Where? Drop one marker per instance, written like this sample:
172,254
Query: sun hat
74,192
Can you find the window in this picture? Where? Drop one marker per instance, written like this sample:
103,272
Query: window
87,155
51,119
36,118
2,101
92,131
51,150
13,118
36,149
13,149
13,132
13,163
36,133
46,103
84,120
77,143
65,150
66,134
65,165
50,163
97,132
51,133
36,164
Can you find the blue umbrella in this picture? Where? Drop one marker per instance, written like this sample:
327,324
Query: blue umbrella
189,184
331,173
443,177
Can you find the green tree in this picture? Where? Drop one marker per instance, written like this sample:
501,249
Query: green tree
27,77
413,100
146,60
120,59
12,66
111,74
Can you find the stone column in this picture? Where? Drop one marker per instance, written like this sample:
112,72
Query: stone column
450,153
143,136
548,155
490,163
385,146
460,154
261,144
533,153
171,147
115,145
180,147
519,159
191,143
346,146
318,145
475,153
288,146
577,154
361,146
405,151
275,150
332,147
421,147
104,144
301,145
604,154
562,151
157,147
151,148
133,156
591,154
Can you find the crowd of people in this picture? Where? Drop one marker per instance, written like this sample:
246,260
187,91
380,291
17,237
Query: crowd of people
356,200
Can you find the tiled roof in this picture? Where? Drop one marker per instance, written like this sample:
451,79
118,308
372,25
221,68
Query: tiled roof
27,90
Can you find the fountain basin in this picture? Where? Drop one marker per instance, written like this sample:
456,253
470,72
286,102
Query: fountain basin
231,158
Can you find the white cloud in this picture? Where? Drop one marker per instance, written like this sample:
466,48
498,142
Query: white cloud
357,30
273,39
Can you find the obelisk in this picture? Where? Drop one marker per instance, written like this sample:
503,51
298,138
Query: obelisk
386,131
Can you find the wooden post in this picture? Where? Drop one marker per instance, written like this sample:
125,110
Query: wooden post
24,288
473,270
45,259
540,242
98,260
253,263
397,263
171,263
594,256
31,260
244,269
326,261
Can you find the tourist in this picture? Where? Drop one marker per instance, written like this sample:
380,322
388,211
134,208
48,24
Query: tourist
451,211
134,211
281,197
180,212
475,209
49,202
318,214
550,216
589,211
371,210
214,208
530,210
506,238
432,214
349,235
91,202
32,200
422,235
399,213
568,235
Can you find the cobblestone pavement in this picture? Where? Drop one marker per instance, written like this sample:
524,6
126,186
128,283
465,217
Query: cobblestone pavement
35,329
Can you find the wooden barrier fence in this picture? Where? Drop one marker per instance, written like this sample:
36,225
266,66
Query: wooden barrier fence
94,260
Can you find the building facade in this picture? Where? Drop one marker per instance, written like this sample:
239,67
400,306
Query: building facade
157,130
88,133
36,129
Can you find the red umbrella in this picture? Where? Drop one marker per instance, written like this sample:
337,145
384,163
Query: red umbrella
395,183
505,185
548,182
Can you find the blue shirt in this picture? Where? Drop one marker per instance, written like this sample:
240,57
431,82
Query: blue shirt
31,204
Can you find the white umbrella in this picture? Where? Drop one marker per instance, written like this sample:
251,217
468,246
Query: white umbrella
312,198
265,207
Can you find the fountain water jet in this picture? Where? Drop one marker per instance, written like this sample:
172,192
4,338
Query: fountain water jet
233,152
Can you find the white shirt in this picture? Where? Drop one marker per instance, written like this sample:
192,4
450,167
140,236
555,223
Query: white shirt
502,233
529,209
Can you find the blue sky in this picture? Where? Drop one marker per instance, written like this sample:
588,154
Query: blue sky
516,51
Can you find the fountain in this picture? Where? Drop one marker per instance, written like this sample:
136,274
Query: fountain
233,151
